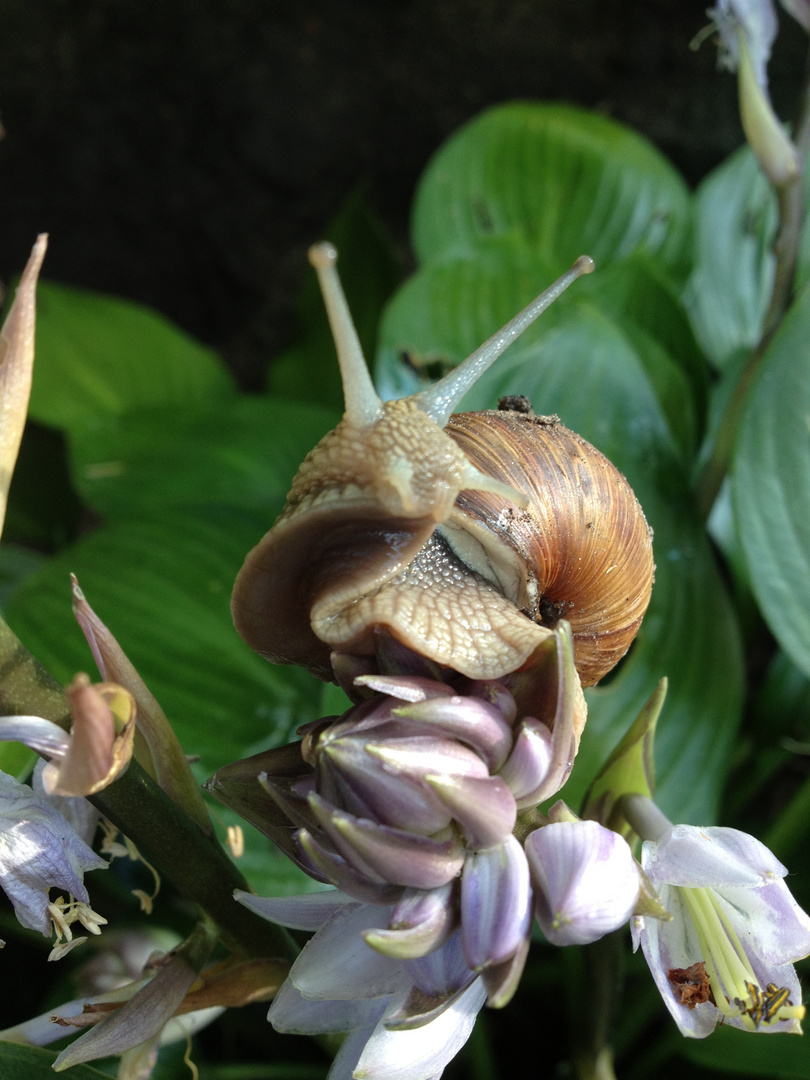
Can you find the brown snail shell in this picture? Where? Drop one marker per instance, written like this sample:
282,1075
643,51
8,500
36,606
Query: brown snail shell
583,543
465,542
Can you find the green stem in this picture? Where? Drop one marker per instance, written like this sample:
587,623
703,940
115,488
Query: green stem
785,249
594,1005
26,687
196,865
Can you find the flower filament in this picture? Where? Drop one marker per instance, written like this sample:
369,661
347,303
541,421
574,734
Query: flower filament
63,914
735,988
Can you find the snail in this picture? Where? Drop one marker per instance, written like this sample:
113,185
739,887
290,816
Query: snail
465,537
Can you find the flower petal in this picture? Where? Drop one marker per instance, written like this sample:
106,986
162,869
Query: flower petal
334,868
485,808
527,767
76,810
421,922
769,922
39,850
145,1014
306,912
556,693
293,1014
399,857
668,946
495,904
421,1053
586,880
345,1062
336,964
405,687
442,972
501,980
709,858
367,779
41,735
472,720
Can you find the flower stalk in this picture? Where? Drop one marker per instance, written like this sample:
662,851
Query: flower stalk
787,186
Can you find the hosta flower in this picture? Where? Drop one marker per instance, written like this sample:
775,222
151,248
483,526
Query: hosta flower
407,805
727,953
404,1018
747,29
408,802
40,851
586,880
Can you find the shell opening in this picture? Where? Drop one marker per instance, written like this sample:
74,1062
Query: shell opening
441,399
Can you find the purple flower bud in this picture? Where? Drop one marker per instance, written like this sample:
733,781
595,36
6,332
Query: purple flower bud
400,857
472,720
484,807
586,881
420,923
495,904
527,767
326,865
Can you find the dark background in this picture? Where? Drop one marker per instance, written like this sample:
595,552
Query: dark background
184,153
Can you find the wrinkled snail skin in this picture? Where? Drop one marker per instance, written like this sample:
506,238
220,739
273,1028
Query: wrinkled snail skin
465,537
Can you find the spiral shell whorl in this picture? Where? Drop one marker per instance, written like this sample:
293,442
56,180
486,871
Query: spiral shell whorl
584,541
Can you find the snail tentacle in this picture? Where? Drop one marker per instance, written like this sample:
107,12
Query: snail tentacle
363,405
442,398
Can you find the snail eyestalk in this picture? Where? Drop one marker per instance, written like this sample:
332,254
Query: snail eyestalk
442,398
363,405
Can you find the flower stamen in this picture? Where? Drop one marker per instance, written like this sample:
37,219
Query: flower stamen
116,850
63,914
735,989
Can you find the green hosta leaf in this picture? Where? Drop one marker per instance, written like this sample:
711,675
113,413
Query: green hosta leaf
16,563
98,356
44,511
33,1063
243,452
730,286
771,484
781,708
690,634
730,1051
580,363
162,585
564,181
637,292
446,310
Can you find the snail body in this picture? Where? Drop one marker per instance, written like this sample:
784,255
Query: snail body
464,537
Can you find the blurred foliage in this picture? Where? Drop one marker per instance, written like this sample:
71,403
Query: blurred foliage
168,476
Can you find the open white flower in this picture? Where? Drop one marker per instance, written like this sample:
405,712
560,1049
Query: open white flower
406,1019
728,951
40,850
